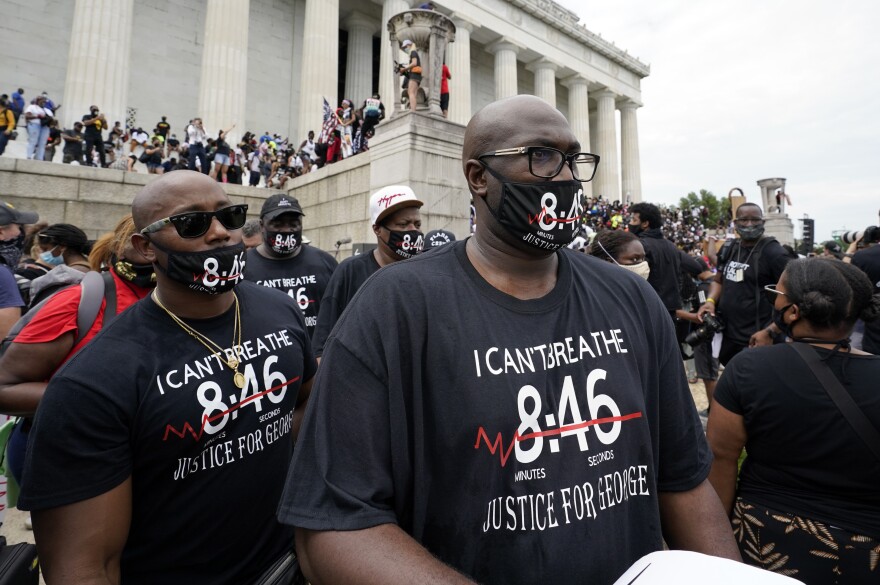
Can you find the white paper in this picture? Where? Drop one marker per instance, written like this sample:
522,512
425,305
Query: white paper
690,568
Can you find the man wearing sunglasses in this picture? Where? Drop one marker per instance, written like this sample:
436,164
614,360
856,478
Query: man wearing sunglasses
281,260
745,267
159,452
503,409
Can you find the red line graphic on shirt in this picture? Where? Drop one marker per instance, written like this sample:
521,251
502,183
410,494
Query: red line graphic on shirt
543,212
198,277
187,428
504,454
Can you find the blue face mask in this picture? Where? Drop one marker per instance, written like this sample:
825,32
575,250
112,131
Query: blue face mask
47,258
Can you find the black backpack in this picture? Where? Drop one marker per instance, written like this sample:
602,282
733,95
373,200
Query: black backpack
96,286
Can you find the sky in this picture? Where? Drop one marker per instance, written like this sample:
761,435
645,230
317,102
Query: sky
755,89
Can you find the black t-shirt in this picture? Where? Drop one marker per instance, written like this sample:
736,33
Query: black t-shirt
92,130
869,262
162,128
741,289
304,278
207,460
221,147
432,374
73,147
804,457
665,262
343,285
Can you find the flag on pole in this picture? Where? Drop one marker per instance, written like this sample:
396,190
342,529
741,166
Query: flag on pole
330,122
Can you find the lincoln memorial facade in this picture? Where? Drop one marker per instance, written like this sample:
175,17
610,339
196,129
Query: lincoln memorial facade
267,64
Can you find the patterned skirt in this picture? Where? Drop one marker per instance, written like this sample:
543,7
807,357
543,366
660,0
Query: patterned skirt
805,549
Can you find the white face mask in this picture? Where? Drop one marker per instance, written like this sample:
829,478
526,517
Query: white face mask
640,268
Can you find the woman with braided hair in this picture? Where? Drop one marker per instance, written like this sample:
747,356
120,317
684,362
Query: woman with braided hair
808,500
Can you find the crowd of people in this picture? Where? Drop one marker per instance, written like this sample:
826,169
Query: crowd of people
496,409
267,160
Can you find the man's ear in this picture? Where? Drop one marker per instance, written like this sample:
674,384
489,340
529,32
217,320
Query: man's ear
475,174
795,314
142,246
376,229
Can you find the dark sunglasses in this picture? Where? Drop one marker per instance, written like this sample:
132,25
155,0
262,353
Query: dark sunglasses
193,224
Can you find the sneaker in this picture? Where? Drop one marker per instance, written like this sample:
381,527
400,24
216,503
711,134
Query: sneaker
28,523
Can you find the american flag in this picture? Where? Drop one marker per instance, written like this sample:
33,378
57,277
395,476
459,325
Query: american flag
330,123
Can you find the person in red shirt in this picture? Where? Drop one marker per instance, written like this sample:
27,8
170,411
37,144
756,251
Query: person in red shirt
444,91
48,341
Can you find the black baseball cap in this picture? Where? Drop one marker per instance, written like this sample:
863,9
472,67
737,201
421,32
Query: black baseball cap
9,214
437,238
278,204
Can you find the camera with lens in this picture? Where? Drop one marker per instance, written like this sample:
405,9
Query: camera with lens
869,235
711,325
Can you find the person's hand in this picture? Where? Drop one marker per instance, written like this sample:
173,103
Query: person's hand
8,132
760,338
707,307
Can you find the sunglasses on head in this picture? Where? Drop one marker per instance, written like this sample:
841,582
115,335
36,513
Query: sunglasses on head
193,224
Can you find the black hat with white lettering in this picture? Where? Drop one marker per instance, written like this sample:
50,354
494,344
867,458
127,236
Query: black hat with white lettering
437,238
278,204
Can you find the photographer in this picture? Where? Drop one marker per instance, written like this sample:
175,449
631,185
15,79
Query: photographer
868,260
413,72
94,123
745,266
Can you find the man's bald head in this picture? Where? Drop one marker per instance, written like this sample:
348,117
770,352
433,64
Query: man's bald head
157,199
501,124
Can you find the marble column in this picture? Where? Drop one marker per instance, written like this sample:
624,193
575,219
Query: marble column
98,60
359,62
223,84
545,79
388,83
607,177
629,152
320,64
579,116
505,68
458,59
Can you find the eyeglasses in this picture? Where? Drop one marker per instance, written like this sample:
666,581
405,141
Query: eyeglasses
772,293
193,224
546,162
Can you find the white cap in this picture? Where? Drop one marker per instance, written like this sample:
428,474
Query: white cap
406,43
389,199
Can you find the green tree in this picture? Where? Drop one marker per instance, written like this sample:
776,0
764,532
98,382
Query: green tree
719,210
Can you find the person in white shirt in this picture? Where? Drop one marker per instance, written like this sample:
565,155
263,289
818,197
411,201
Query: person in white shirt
38,118
197,138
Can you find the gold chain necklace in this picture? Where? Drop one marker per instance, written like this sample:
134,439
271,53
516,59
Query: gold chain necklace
232,364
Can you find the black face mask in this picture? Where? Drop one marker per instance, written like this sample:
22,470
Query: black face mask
284,243
405,244
779,321
141,275
10,250
546,215
211,272
635,229
751,233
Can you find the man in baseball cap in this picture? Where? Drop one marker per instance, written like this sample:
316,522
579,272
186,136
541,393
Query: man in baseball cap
396,221
11,240
282,261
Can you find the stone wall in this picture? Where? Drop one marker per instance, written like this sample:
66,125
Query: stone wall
335,200
92,199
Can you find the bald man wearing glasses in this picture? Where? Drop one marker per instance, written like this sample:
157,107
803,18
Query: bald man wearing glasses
159,452
503,410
